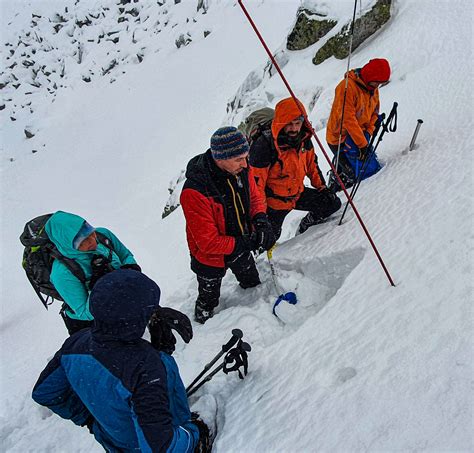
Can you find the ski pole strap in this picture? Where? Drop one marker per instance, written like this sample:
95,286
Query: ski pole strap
237,357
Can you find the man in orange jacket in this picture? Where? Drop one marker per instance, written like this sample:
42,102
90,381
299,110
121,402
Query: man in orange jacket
280,160
358,116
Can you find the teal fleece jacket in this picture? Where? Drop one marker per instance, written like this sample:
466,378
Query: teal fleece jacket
61,229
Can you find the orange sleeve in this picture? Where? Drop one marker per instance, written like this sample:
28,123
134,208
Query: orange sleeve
375,115
313,172
350,123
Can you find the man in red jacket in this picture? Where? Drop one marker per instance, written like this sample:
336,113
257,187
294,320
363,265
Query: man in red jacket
225,218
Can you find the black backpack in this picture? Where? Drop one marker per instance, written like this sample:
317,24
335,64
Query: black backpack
39,255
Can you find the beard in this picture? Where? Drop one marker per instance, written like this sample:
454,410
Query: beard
292,139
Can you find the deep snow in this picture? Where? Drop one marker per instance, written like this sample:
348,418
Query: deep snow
360,365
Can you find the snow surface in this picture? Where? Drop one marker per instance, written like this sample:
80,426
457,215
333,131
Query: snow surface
359,365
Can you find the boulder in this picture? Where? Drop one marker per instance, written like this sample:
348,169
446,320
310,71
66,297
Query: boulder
364,27
309,28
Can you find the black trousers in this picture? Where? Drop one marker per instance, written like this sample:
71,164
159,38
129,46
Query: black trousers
210,278
319,204
74,325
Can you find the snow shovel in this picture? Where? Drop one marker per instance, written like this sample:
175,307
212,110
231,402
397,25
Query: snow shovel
289,297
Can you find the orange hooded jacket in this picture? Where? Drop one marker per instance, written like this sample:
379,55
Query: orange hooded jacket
281,184
360,113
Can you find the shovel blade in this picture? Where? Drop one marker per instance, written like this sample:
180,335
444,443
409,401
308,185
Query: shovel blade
289,297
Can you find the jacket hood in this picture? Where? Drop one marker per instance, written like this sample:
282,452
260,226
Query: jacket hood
122,303
61,229
203,170
354,75
285,111
198,166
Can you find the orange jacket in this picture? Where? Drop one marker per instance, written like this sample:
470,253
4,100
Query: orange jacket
360,113
280,179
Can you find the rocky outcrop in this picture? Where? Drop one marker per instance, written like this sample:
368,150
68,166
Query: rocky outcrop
365,26
309,28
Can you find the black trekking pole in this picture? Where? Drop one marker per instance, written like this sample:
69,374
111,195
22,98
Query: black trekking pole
236,336
390,125
233,360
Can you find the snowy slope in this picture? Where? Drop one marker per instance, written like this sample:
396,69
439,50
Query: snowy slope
360,365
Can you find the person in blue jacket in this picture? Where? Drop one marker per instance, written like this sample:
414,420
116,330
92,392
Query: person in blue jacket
110,380
97,250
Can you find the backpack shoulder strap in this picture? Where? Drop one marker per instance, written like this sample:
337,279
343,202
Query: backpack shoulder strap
104,240
73,266
263,152
267,134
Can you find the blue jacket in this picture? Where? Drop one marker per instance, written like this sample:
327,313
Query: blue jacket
62,228
112,380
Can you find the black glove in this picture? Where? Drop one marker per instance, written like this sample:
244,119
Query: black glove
162,321
133,267
205,442
100,266
243,244
265,239
89,423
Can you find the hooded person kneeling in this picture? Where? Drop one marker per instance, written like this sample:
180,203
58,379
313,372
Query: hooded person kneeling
127,393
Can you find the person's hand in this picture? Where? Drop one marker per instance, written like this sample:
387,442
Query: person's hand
243,244
264,237
100,266
162,321
363,152
132,266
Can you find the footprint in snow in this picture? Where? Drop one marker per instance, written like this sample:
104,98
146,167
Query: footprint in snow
344,374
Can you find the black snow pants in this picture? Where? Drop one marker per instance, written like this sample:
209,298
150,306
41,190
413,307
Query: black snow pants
319,204
210,278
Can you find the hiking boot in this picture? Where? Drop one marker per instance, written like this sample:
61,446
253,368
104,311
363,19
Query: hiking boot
247,285
201,315
307,221
334,186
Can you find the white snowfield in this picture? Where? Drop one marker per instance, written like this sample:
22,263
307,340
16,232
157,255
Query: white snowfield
359,365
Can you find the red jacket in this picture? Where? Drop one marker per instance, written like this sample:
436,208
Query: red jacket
218,207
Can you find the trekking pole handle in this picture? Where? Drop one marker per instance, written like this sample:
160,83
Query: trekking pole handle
391,116
237,334
415,135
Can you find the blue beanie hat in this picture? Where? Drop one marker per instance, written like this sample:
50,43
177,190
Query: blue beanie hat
122,303
85,231
228,142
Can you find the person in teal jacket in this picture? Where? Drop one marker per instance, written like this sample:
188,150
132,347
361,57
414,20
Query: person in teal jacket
97,250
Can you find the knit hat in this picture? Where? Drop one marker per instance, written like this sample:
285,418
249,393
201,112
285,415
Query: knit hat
122,303
376,70
85,231
228,142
